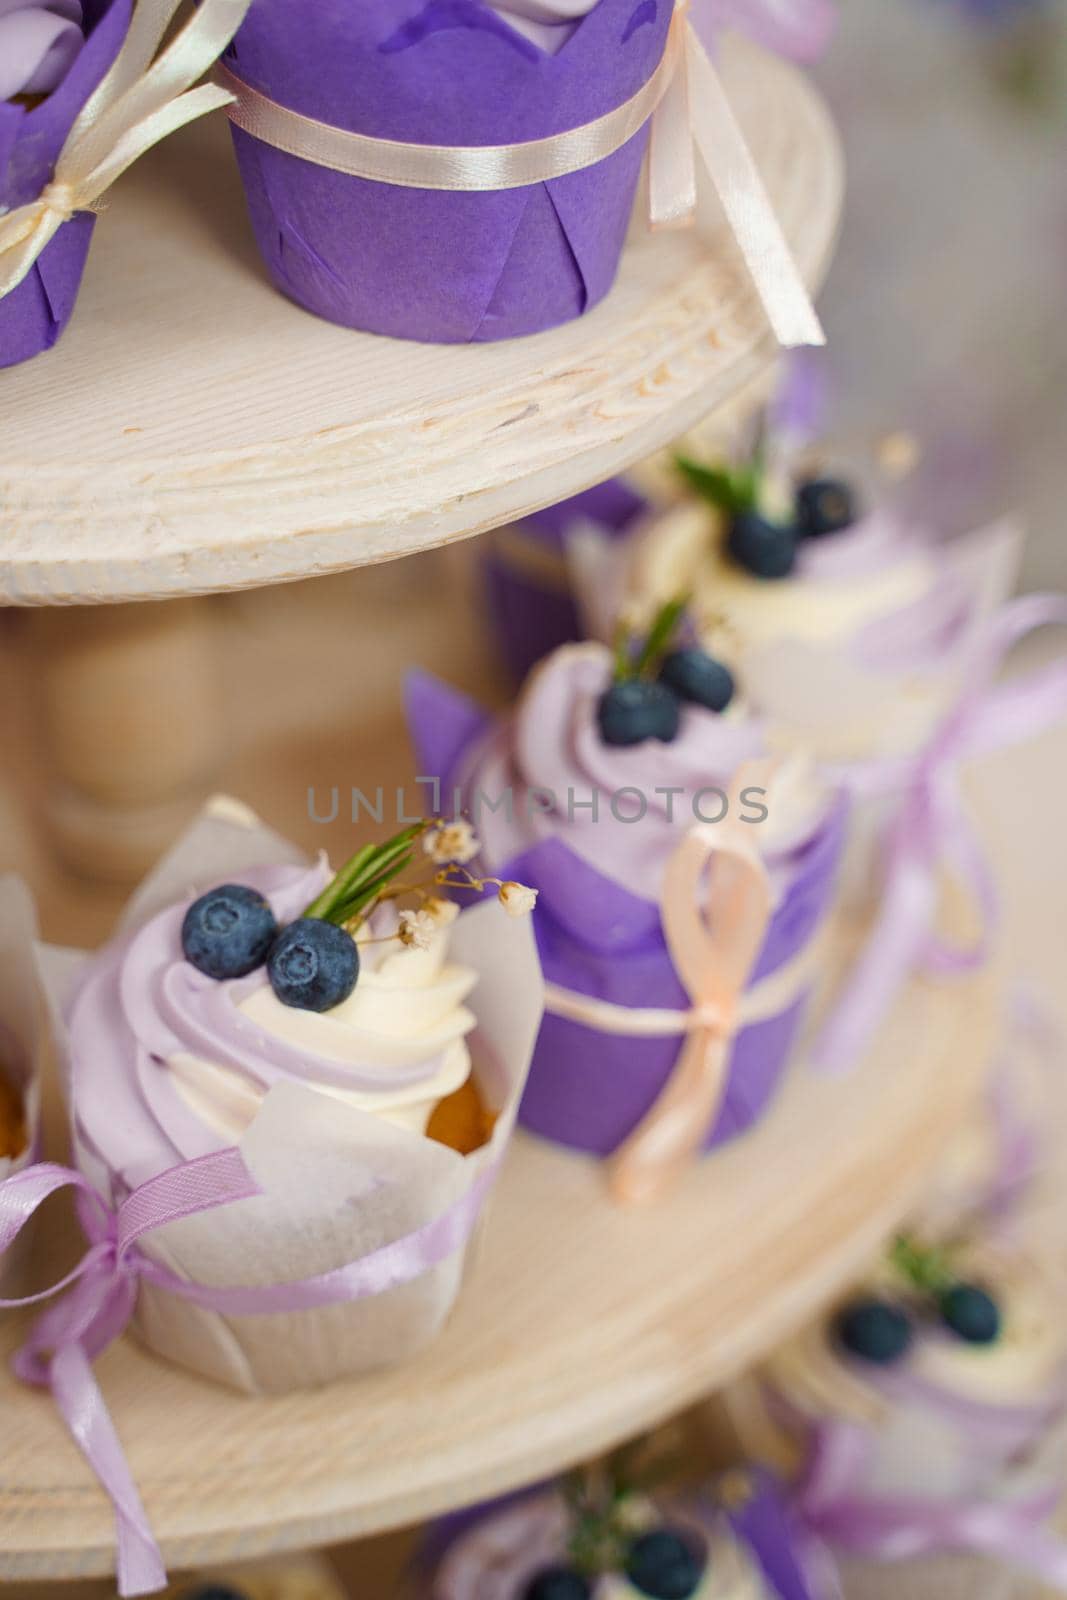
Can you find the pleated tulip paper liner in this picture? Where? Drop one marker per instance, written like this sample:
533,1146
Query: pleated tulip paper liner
290,1093
411,170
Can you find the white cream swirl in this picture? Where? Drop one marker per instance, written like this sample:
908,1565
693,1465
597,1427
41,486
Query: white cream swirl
172,1061
406,1011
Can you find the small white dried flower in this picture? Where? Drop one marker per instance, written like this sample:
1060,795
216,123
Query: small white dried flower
451,841
443,912
517,899
416,930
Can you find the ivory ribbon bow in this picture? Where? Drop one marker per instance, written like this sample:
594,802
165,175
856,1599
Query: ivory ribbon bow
137,103
100,1295
717,864
690,112
932,835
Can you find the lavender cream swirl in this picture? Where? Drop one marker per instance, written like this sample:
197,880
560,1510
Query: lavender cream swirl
190,1046
622,810
39,41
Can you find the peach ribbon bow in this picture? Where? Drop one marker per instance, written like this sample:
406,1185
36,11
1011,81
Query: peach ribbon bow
717,865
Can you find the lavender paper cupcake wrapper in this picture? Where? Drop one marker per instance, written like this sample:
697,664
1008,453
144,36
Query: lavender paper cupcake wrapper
437,266
34,315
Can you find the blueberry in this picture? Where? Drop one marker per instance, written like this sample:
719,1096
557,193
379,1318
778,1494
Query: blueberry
664,1565
635,710
213,1591
875,1331
971,1313
558,1583
696,676
766,549
313,965
824,505
228,931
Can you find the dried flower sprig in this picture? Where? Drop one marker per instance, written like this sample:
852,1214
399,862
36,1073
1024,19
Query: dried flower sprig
375,874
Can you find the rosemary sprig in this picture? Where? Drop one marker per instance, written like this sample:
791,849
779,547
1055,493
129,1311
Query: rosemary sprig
642,658
660,636
363,878
727,489
926,1268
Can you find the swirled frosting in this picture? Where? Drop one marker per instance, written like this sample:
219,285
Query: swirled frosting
622,810
857,653
163,1055
500,1555
39,40
549,23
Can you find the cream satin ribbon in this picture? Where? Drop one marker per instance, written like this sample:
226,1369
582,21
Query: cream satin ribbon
139,101
720,865
690,112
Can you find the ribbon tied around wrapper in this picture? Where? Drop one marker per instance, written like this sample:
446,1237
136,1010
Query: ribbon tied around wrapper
689,112
884,1527
714,957
138,102
97,1300
931,838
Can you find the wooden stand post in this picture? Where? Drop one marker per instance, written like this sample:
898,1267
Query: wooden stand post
130,725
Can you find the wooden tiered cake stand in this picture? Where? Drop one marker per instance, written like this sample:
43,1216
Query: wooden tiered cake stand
194,433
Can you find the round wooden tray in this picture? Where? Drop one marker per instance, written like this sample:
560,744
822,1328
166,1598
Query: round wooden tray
195,432
580,1326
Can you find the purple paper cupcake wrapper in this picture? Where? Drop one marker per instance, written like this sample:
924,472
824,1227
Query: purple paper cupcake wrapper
34,315
431,265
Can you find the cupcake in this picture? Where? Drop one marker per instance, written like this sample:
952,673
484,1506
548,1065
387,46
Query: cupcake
52,56
597,790
14,1139
442,266
364,1051
23,1052
550,1547
922,1417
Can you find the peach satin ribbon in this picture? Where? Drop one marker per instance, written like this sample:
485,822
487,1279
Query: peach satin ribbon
690,112
716,865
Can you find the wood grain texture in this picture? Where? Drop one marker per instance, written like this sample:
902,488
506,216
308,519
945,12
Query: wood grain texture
580,1325
196,432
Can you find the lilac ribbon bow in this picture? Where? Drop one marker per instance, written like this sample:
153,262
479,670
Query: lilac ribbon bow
99,1297
931,831
899,1528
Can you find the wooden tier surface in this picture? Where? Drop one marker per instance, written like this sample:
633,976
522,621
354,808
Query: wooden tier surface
580,1325
195,432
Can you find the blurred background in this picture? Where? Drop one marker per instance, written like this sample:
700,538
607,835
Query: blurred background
945,306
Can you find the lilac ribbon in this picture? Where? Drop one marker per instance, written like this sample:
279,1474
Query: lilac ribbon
100,1295
932,832
899,1528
